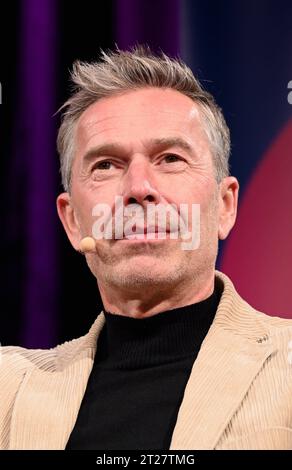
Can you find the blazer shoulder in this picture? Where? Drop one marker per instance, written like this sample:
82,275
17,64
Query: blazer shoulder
280,332
237,314
53,359
275,322
16,358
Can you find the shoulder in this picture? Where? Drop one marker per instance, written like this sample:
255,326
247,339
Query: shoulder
280,333
237,314
275,322
17,359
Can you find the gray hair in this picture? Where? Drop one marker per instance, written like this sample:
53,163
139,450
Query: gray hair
122,71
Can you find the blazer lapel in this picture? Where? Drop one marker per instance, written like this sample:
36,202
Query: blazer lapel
220,378
48,401
231,355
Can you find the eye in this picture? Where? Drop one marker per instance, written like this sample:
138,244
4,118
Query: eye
171,158
103,165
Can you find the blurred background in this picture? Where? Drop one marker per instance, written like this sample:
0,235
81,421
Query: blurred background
242,53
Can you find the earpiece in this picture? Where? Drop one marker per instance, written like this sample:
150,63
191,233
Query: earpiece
87,245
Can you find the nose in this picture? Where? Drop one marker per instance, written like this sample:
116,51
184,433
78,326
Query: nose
139,186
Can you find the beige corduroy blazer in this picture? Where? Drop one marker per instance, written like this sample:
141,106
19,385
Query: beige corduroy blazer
238,396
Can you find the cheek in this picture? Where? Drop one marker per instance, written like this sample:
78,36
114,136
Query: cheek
84,204
88,201
208,203
196,197
86,221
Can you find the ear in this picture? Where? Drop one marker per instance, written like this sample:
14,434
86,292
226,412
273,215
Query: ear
228,200
69,219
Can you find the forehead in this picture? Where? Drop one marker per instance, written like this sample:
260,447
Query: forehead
139,114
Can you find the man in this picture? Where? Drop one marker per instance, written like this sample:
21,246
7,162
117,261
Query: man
176,359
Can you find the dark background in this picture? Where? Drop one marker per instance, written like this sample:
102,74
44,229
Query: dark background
241,51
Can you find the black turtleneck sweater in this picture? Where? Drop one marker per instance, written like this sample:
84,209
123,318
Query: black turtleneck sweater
138,379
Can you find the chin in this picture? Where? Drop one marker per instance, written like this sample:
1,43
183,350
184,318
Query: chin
132,277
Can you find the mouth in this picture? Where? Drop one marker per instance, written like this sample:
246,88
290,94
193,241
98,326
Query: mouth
140,230
147,234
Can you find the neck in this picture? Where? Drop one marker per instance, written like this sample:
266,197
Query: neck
151,299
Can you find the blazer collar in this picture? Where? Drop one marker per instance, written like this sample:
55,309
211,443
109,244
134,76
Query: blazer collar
50,394
233,352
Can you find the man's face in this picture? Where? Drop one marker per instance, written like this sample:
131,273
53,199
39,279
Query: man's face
157,152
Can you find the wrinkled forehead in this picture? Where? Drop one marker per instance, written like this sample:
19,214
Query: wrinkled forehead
139,114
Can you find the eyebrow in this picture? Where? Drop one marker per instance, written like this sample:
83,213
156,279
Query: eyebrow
153,144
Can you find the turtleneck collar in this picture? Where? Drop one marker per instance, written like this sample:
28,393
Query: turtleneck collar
165,337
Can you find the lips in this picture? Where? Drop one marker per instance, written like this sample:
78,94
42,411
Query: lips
150,229
149,232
